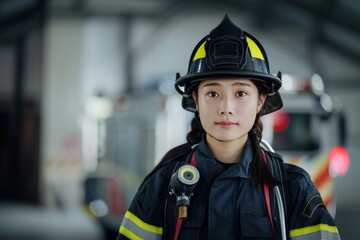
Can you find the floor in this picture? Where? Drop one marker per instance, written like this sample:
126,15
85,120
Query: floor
35,223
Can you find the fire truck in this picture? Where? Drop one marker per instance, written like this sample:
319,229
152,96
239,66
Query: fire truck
310,131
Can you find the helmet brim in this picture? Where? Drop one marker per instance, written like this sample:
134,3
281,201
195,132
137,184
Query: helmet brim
270,83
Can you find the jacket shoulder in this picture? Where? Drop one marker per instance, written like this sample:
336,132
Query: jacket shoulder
296,173
305,198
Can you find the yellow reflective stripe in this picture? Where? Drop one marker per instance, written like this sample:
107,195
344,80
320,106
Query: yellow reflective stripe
254,49
312,229
200,53
143,225
127,233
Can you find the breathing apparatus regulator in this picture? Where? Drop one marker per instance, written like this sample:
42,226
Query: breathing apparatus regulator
182,183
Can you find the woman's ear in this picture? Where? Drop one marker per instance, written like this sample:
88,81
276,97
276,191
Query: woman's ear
194,96
261,101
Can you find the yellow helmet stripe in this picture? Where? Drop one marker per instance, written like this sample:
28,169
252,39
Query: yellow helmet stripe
200,53
254,49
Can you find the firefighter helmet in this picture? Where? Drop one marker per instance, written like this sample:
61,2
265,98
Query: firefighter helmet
229,52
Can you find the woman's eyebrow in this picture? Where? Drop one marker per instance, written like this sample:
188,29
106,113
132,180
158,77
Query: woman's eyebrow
242,84
211,84
234,84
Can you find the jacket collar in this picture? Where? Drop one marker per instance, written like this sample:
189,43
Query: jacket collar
210,169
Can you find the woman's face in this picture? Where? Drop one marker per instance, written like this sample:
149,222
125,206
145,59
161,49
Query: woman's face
228,107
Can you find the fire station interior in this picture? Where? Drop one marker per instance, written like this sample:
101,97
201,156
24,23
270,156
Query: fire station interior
78,77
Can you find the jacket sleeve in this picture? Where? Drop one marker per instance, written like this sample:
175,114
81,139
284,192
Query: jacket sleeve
309,218
144,218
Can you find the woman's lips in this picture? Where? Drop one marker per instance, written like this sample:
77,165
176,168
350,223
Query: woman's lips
226,124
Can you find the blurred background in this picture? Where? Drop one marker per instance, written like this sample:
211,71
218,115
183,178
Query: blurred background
87,105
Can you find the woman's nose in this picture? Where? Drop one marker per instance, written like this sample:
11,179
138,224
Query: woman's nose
227,107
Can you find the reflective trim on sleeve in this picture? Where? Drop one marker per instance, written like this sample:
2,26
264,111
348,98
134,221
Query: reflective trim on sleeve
127,233
134,228
320,231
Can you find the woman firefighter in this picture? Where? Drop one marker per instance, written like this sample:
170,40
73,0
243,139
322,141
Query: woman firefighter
221,184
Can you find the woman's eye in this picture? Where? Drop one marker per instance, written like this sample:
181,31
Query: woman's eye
240,94
213,94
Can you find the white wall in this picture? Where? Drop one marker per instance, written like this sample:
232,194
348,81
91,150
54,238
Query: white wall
82,57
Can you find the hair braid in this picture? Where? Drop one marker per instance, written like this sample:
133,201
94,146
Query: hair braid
196,132
259,171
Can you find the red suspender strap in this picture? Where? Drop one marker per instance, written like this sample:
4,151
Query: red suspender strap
177,229
192,161
178,220
267,195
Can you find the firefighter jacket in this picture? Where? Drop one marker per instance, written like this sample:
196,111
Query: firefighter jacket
225,204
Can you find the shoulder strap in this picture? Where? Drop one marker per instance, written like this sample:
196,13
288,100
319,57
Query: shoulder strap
267,195
277,168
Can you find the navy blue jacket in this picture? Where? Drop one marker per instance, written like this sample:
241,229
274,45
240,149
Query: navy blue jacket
226,204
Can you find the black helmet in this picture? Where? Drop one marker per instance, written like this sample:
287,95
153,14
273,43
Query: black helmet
229,52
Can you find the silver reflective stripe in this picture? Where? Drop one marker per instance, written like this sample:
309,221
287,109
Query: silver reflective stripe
320,231
134,228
